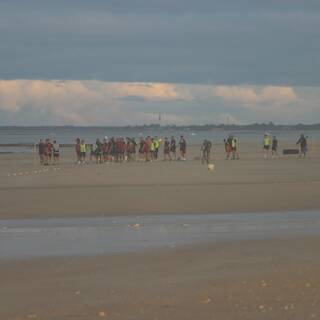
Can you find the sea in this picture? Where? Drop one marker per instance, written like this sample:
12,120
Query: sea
22,139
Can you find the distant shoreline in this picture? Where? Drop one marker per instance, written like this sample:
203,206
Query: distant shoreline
253,127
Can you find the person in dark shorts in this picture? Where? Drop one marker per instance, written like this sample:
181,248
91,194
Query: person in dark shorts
173,148
83,152
166,150
142,149
183,147
275,144
206,150
98,151
41,151
303,146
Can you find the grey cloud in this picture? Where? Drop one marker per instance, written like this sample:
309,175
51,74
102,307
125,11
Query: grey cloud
218,42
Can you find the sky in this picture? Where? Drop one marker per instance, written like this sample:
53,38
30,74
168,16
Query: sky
123,62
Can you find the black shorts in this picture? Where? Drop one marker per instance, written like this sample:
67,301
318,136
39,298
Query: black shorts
82,154
266,147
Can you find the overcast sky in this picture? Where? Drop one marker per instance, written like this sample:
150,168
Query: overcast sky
124,61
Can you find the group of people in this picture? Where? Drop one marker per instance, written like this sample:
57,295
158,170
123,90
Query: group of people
49,152
267,143
121,149
273,144
231,148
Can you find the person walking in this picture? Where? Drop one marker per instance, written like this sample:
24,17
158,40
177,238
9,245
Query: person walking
234,148
303,146
206,149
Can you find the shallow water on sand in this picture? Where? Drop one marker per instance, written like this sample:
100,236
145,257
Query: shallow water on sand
109,235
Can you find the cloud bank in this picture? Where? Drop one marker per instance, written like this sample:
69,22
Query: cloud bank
250,97
63,102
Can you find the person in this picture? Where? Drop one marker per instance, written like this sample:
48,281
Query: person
133,149
227,148
83,151
206,149
303,146
166,150
234,148
274,149
92,152
56,152
156,142
148,149
112,149
77,149
98,151
41,151
104,149
173,147
142,149
122,149
183,147
153,149
266,145
47,152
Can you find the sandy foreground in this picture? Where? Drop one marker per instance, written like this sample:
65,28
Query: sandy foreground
276,279
257,279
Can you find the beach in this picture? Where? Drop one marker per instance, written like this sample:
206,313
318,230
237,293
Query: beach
273,278
247,185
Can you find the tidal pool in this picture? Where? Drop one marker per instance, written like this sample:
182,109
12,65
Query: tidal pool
109,235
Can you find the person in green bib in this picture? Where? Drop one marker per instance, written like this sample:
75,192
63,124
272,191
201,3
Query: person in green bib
83,151
266,145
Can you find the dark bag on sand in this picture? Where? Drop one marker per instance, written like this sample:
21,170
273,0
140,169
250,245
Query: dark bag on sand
290,151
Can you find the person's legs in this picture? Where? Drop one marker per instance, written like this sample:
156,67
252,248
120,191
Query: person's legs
208,157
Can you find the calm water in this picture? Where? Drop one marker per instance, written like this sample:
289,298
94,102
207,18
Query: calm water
107,235
67,135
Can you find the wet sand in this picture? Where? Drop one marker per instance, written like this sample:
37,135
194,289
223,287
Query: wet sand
32,238
240,279
274,279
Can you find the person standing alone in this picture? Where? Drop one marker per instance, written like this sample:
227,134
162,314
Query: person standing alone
183,147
